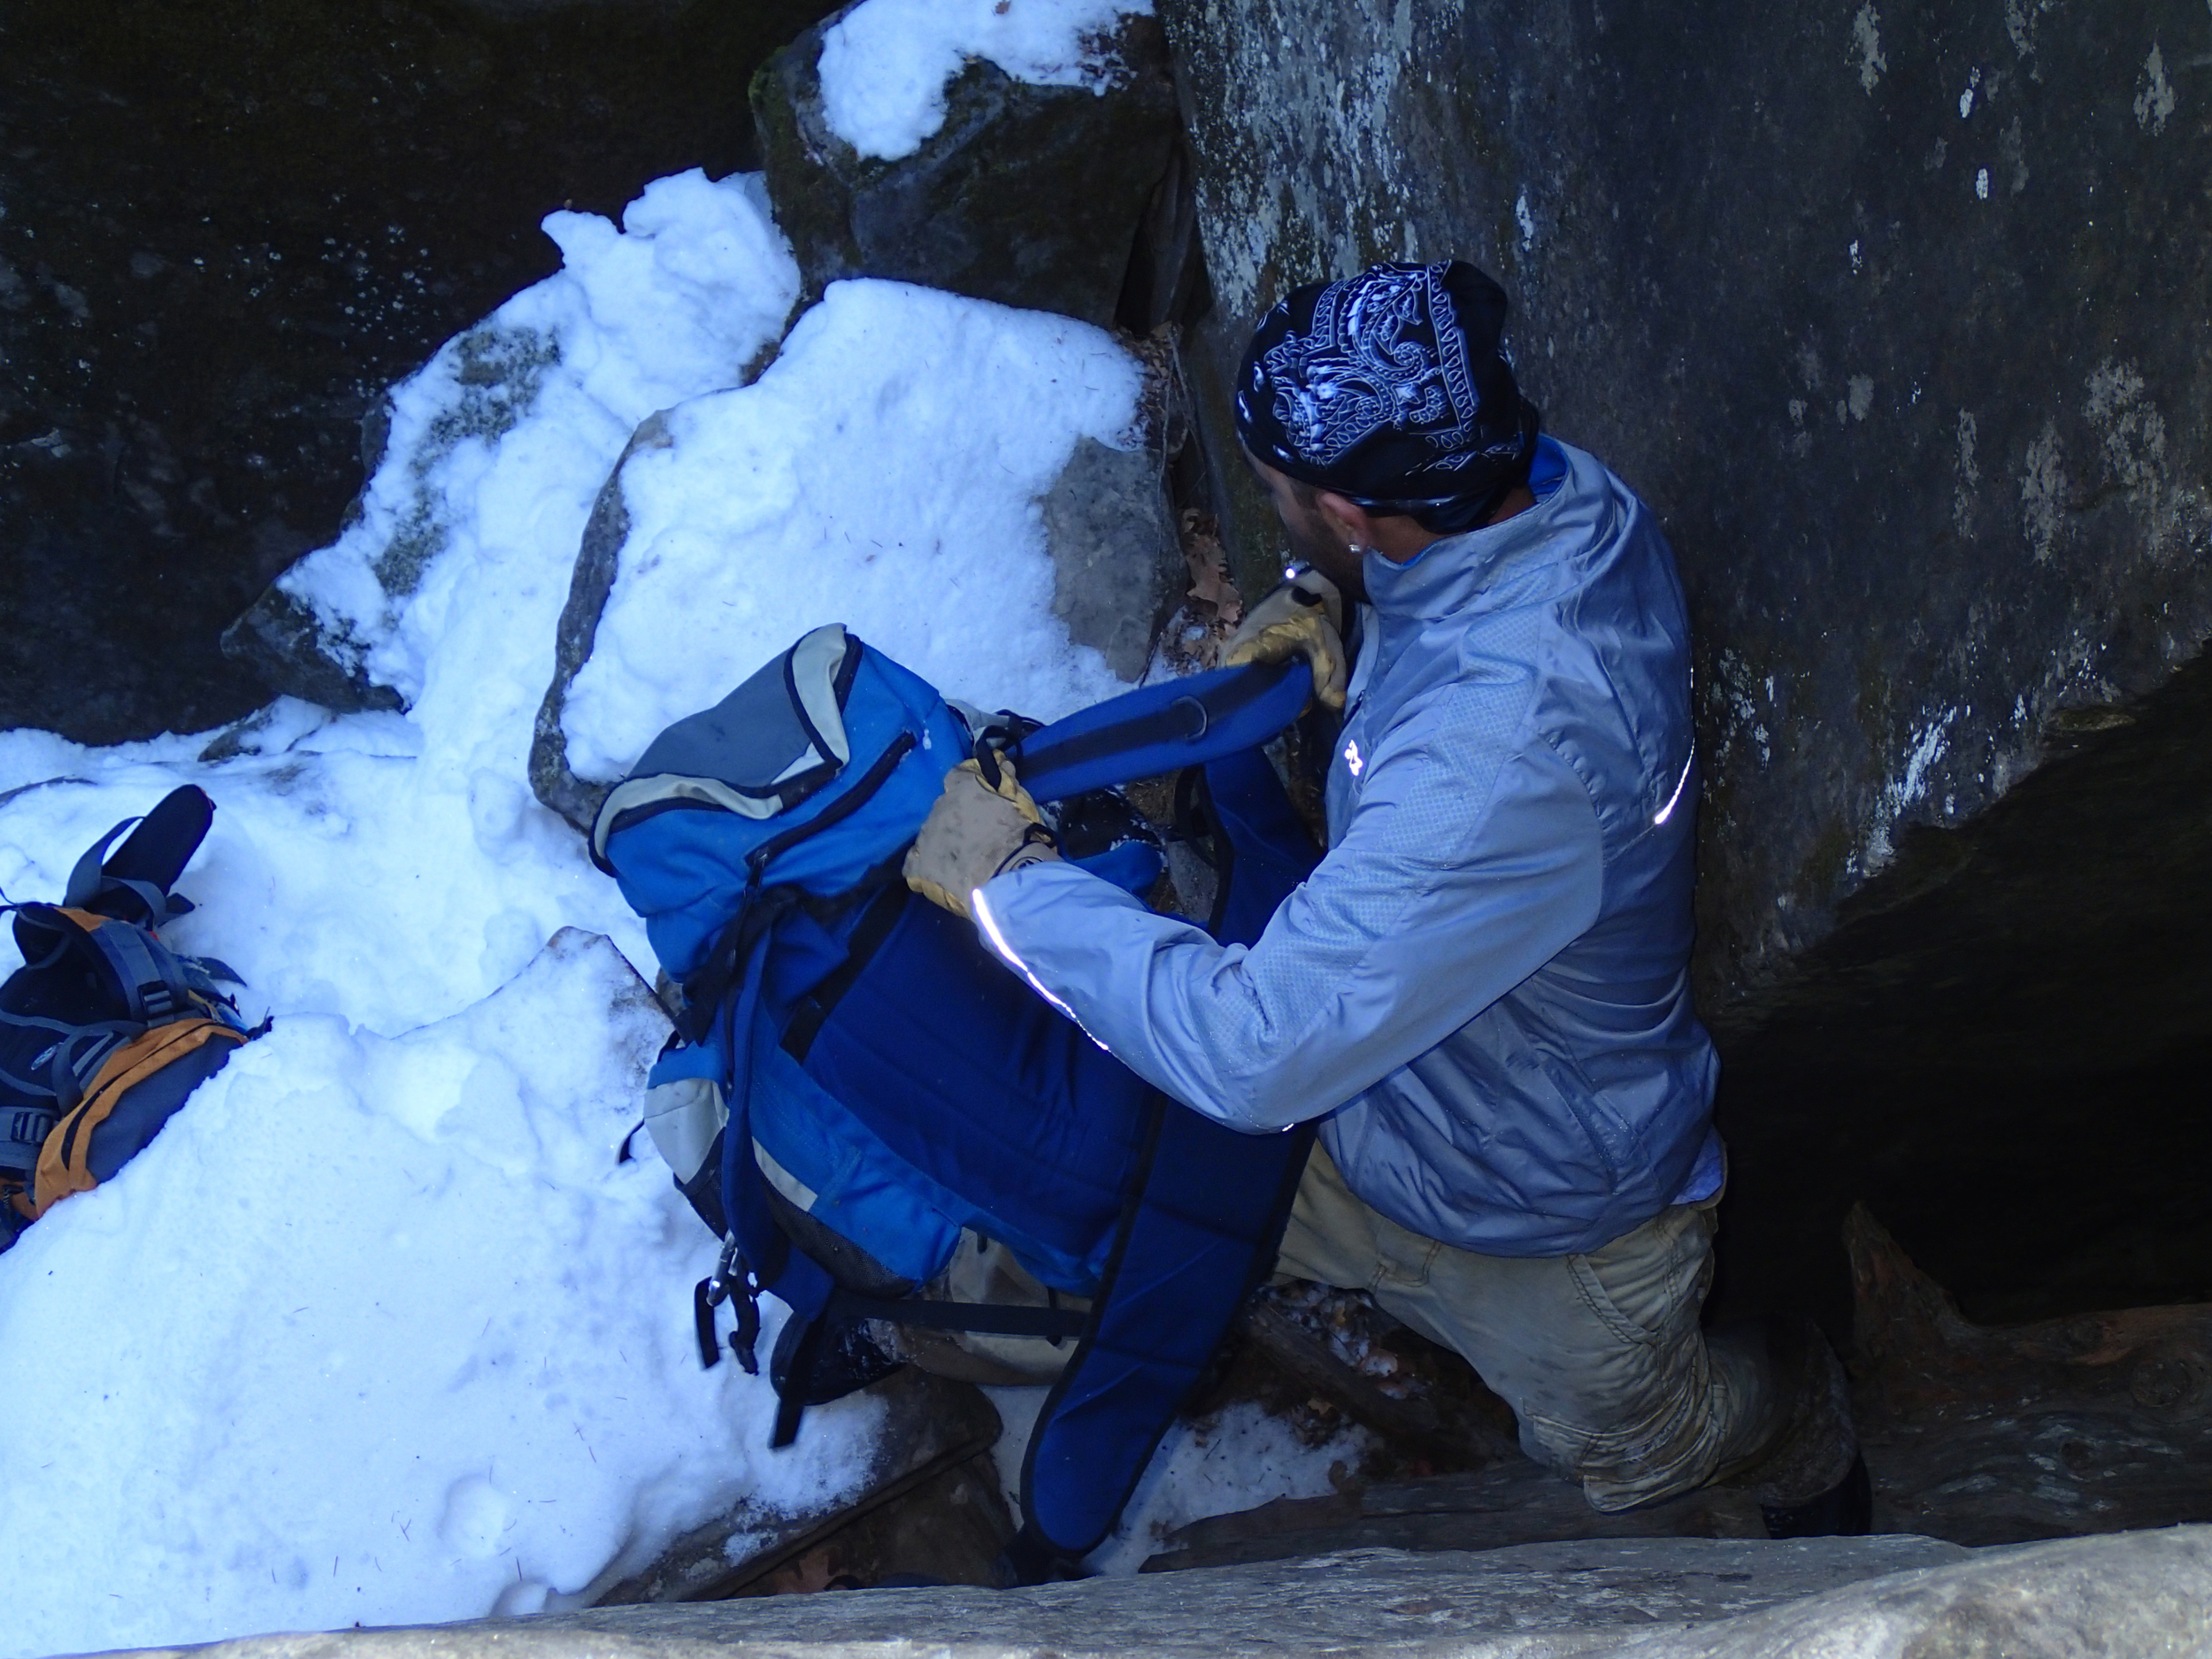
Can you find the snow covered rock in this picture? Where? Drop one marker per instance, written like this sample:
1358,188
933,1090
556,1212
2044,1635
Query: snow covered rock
499,437
897,469
1005,151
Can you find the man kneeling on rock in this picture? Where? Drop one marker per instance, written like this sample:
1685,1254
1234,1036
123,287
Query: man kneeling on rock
1482,991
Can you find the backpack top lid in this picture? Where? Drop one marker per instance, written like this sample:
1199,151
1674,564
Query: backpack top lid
828,736
759,752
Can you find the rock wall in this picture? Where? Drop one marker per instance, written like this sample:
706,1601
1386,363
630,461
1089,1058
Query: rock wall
1897,317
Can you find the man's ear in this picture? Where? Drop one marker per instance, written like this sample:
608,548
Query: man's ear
1346,518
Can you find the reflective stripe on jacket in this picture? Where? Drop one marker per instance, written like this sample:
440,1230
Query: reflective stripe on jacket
1483,986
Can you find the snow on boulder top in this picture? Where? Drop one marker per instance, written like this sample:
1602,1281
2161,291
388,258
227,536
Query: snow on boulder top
499,442
885,472
886,64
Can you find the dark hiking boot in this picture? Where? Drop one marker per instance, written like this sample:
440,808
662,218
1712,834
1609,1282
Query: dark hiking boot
1802,1467
1845,1510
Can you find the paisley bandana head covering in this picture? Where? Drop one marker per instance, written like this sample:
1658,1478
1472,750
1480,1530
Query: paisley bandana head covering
1389,387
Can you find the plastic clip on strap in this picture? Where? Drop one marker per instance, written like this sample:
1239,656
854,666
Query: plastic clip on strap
157,991
23,1132
732,1282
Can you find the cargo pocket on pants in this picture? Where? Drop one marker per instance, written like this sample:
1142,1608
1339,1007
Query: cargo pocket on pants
1646,1286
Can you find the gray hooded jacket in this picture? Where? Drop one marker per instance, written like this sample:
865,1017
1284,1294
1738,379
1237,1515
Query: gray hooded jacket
1483,988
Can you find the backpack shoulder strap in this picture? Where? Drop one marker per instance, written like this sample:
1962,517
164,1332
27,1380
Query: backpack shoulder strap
1161,729
133,884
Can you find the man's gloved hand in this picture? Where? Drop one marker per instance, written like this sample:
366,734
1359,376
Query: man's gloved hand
973,833
1303,617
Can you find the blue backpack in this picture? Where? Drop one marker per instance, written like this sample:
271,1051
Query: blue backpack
105,1031
856,1079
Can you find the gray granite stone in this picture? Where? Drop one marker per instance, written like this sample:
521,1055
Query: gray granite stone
1114,555
1874,1598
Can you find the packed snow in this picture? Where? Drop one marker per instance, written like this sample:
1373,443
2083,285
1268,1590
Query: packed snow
885,472
381,1327
886,64
377,1330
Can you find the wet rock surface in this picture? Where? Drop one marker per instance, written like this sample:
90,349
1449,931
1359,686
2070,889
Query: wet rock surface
1028,196
2093,1422
223,229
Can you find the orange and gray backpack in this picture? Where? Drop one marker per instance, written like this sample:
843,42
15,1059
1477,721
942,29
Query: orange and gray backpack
105,1030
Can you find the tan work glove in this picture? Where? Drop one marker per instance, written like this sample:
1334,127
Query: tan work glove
974,833
1302,616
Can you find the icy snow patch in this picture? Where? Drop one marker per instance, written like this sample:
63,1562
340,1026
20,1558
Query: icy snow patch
500,442
885,472
886,64
1237,1458
377,1330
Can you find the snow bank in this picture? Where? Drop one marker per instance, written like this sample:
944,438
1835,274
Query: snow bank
299,1365
886,64
885,472
374,1331
378,1329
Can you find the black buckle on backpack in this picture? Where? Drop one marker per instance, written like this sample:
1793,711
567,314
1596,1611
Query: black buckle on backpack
731,1281
23,1132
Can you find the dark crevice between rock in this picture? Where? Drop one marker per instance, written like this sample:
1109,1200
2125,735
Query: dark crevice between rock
2003,1046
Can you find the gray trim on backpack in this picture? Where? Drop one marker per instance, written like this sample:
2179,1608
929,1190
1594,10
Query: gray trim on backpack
757,753
685,1117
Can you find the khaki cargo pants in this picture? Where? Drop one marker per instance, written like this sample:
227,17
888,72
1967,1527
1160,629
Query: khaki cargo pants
1599,1354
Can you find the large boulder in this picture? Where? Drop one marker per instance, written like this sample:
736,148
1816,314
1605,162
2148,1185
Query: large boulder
321,655
1029,195
1896,317
492,449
